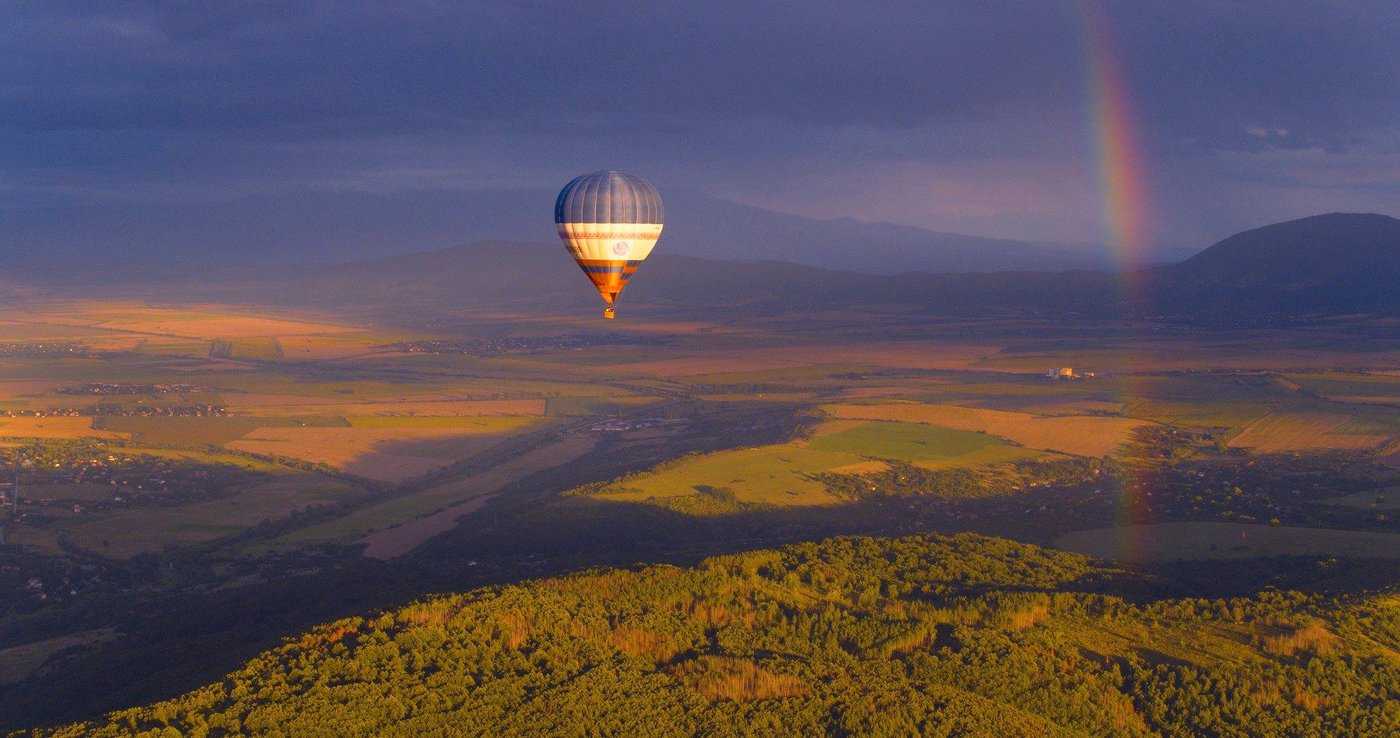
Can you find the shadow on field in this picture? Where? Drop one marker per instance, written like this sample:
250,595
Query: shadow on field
173,643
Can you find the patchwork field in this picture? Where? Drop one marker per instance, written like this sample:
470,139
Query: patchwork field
178,431
264,405
739,364
1082,435
1201,414
395,526
1257,350
389,449
313,389
211,324
929,446
1278,432
127,532
54,428
1352,387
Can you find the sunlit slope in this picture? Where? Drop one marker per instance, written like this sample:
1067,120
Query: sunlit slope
791,474
1072,434
921,635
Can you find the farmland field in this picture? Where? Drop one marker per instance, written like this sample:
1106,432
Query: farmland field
54,427
929,446
390,452
124,533
784,475
17,662
1352,387
1387,499
1084,435
319,460
397,525
772,475
1295,431
182,431
269,405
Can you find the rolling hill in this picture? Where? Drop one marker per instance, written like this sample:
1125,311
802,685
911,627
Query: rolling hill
1354,249
1332,264
1326,265
925,635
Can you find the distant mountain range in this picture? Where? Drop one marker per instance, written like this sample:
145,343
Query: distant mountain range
698,225
1325,265
1330,264
334,227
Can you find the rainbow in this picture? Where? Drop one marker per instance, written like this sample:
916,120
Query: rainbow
1122,175
1123,194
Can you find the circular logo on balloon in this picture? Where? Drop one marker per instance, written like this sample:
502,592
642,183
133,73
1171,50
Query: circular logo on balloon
620,248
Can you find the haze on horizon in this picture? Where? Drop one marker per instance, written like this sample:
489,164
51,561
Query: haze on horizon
975,120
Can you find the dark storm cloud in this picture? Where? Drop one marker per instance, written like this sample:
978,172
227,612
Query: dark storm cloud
407,65
782,104
1251,75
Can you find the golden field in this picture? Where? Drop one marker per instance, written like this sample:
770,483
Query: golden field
1083,435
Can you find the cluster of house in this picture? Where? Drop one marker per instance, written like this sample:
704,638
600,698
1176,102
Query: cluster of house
1067,373
104,389
106,411
32,350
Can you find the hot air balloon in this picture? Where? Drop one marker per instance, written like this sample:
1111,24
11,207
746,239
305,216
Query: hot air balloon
608,221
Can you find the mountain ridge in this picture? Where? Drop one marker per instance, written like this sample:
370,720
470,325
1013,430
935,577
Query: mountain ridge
1269,274
333,227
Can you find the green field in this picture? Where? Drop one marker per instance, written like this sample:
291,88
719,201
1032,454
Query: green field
475,423
257,349
180,431
772,475
1372,387
210,457
1386,499
929,446
1218,414
127,532
794,375
405,508
579,406
785,475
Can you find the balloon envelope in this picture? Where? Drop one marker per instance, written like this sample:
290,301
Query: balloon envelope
609,221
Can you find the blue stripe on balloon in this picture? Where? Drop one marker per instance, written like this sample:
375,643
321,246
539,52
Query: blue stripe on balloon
608,197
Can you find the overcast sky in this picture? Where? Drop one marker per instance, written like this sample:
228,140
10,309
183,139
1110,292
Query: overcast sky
960,116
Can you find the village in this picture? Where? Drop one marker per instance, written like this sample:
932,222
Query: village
496,346
88,475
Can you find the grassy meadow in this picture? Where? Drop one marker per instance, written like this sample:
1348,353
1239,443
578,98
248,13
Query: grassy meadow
786,475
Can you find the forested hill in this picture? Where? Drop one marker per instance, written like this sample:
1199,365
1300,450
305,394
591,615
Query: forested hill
1332,264
921,635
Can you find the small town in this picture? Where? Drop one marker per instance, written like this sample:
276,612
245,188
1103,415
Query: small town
497,346
103,389
105,410
43,350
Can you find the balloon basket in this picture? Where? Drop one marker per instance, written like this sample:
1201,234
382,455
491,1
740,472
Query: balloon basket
609,313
